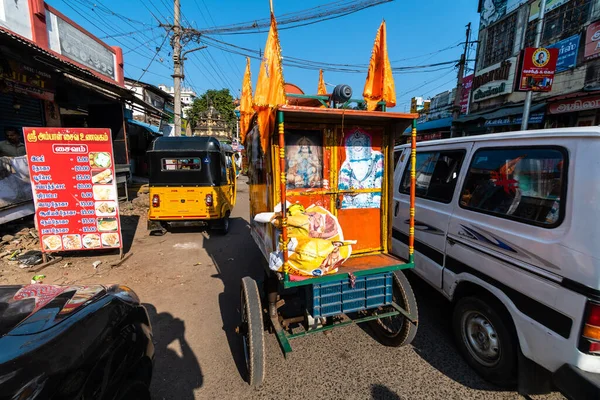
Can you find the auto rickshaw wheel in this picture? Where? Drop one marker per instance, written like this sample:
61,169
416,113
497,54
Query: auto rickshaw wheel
397,330
252,331
222,225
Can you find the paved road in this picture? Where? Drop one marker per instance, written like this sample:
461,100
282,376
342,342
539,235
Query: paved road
190,282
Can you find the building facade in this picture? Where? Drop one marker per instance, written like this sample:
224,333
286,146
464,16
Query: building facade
212,124
187,97
507,27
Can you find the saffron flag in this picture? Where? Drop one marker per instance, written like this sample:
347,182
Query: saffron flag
270,91
322,90
246,109
380,81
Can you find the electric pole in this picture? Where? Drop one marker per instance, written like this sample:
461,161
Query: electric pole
459,83
177,75
538,39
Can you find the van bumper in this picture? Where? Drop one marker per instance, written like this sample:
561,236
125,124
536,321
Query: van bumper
577,384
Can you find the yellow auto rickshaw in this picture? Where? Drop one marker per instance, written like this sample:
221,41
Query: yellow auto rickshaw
191,179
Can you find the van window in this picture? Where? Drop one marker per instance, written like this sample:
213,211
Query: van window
523,184
437,173
397,154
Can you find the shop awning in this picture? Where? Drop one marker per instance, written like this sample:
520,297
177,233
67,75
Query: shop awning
68,69
153,129
500,113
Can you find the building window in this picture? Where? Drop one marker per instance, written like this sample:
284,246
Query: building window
560,23
437,173
499,42
524,184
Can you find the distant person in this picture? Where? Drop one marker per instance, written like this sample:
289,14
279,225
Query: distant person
12,146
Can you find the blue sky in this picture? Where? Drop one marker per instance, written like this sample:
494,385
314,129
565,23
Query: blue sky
419,33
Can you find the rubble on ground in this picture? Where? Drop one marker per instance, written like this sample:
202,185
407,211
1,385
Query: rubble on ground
20,242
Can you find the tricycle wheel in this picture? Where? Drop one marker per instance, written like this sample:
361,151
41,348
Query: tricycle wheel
253,332
397,330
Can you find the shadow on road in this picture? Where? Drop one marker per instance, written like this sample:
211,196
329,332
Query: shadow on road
129,225
177,372
235,256
381,392
435,342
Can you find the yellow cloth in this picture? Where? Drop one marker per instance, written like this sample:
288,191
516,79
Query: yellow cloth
322,90
270,90
246,109
380,81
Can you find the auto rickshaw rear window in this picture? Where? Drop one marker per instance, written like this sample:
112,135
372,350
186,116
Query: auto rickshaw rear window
173,164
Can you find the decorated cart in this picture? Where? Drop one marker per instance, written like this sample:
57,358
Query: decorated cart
321,208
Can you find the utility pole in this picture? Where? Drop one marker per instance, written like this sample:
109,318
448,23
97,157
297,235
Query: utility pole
177,75
459,83
538,39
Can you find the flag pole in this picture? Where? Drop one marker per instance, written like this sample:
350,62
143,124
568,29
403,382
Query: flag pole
271,5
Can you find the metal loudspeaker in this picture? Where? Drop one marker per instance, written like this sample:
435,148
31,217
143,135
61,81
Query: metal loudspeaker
342,93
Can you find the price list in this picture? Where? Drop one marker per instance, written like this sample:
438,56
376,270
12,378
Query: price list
74,187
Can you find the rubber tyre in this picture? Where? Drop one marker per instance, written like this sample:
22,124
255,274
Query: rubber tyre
504,372
253,332
134,390
405,331
222,226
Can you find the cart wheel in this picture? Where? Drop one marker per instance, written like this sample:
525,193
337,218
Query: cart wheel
397,331
253,332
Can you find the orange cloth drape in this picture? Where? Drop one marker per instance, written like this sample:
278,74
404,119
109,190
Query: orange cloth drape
380,81
246,109
322,90
270,91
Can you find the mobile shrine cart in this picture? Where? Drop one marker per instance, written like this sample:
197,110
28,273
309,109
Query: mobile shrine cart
334,167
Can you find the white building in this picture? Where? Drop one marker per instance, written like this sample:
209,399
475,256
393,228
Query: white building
187,96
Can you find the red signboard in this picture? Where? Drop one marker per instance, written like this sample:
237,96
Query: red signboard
74,188
592,41
574,105
466,93
537,69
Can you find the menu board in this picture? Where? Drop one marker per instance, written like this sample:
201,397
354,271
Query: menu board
74,187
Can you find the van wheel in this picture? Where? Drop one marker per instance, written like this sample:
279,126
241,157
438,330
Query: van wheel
486,340
397,330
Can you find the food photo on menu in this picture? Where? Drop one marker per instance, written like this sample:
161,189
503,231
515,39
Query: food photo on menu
107,224
102,177
100,160
106,208
91,241
110,239
104,192
52,243
71,242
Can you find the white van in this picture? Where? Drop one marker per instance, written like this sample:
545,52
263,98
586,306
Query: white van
508,228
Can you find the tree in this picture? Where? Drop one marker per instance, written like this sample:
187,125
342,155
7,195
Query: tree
221,100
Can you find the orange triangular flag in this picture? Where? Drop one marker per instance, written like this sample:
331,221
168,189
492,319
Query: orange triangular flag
246,109
270,90
322,90
380,81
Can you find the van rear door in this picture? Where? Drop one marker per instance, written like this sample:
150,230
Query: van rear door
437,172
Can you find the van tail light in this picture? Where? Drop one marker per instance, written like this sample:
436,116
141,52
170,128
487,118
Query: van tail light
155,201
590,337
209,200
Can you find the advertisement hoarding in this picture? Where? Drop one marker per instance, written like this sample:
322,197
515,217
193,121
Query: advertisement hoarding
495,80
574,105
592,41
74,188
466,93
534,9
567,52
537,69
76,45
493,10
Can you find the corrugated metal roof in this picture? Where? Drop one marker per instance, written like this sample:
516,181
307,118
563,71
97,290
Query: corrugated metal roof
73,67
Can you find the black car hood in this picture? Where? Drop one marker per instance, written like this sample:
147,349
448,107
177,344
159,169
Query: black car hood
34,308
